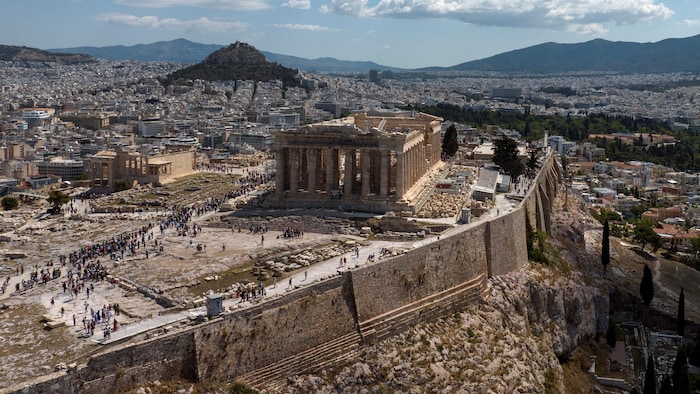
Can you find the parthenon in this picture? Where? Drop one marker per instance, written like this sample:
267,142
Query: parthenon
360,162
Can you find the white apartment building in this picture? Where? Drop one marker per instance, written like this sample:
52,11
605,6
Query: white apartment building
151,127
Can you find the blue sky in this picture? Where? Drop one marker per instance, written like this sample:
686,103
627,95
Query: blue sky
398,33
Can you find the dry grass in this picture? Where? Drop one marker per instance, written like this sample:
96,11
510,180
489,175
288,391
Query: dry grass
575,369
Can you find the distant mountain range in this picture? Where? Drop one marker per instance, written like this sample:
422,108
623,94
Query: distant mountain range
180,51
185,51
670,55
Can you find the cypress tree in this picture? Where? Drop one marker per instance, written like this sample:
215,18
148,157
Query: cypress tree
666,386
681,383
650,378
611,335
505,155
605,247
680,323
450,144
646,288
532,162
694,353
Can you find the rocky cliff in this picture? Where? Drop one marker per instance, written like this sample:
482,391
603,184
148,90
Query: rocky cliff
511,342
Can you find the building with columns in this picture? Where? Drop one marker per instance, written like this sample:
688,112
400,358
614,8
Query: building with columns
360,162
108,166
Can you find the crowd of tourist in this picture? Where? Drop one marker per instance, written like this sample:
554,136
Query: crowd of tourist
85,269
289,232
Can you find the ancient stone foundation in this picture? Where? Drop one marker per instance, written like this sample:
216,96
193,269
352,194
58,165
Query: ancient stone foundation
321,324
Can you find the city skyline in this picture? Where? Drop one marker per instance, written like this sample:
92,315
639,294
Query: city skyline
396,33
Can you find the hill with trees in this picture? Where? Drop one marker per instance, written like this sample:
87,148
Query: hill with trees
238,61
30,55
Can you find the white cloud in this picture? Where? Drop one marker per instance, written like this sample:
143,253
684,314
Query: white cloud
247,5
202,24
304,27
691,22
582,16
300,4
590,29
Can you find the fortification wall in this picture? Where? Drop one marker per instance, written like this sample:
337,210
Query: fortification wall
254,338
506,242
164,358
440,277
421,272
506,236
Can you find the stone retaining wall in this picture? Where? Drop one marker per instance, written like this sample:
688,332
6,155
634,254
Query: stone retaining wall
423,283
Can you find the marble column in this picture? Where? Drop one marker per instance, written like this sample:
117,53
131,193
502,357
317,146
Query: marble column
384,174
311,171
280,167
414,167
347,176
365,176
429,156
294,170
303,166
400,187
411,167
421,160
330,170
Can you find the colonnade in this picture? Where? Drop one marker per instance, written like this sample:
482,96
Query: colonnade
351,171
103,173
135,165
335,171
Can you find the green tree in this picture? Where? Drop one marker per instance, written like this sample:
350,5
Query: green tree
9,203
121,185
605,247
679,377
695,243
528,128
57,198
505,155
532,162
611,334
666,386
694,354
564,163
644,233
449,141
638,210
680,322
650,378
646,288
607,214
240,388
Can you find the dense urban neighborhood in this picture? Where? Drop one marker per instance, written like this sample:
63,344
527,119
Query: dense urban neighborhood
118,175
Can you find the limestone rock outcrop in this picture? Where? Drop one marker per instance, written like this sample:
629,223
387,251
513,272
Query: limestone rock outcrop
509,343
